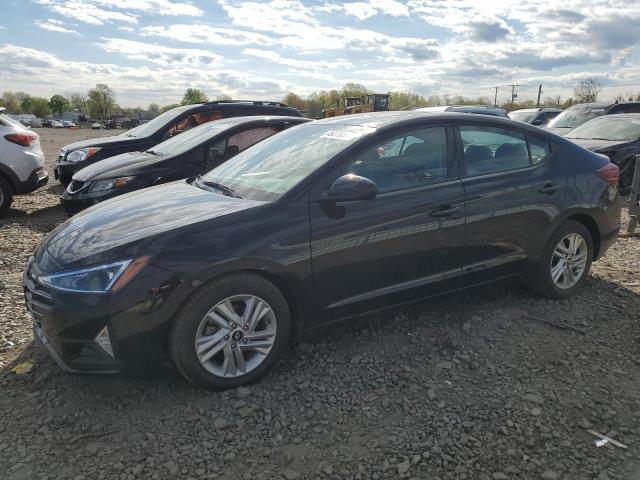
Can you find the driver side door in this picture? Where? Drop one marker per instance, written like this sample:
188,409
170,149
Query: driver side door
404,244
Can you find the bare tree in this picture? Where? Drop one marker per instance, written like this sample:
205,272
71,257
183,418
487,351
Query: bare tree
587,90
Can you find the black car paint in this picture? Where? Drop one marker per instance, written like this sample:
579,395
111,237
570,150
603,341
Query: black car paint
306,245
116,145
622,154
149,169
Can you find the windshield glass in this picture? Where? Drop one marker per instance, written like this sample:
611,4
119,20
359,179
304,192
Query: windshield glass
607,128
572,117
192,138
521,116
269,169
152,126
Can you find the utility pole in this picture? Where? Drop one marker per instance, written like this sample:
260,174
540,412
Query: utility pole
513,92
495,98
539,93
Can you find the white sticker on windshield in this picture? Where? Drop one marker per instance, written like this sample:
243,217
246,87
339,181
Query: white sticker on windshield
348,133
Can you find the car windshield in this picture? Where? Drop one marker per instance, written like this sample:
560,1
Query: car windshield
269,169
572,117
192,138
522,116
608,128
152,126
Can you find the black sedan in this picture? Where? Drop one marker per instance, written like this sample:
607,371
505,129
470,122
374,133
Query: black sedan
192,153
77,155
322,222
617,137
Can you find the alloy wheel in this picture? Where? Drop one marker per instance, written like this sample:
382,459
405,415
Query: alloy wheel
569,261
235,336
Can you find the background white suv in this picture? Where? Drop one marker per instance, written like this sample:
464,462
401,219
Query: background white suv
21,161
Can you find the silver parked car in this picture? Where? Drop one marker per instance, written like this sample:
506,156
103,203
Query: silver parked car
535,116
21,161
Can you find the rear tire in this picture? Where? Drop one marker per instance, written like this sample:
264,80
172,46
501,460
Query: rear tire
6,196
243,318
565,263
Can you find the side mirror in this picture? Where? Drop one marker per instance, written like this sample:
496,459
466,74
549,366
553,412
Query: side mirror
537,121
349,188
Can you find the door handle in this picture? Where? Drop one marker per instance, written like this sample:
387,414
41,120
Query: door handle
445,211
550,188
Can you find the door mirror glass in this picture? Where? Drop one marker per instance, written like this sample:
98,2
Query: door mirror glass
216,153
537,121
349,188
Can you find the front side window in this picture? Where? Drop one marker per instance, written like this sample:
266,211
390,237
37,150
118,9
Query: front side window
269,169
226,148
490,149
407,160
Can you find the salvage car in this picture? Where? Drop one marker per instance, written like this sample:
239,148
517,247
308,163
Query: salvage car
21,161
322,222
617,137
578,114
192,153
535,116
78,155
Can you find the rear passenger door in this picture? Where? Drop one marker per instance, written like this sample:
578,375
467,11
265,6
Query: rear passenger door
512,196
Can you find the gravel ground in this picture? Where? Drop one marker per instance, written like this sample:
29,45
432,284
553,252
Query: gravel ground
471,386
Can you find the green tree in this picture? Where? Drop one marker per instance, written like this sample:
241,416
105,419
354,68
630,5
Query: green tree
10,101
223,97
58,104
193,95
78,101
39,107
102,101
154,109
295,101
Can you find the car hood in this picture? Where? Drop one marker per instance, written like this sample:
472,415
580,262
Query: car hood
102,142
596,145
108,167
559,130
142,221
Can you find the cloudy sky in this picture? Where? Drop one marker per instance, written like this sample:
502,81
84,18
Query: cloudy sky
152,50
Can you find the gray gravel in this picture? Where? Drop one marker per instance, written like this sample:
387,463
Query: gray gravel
469,386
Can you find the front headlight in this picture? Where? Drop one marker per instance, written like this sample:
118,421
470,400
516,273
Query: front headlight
81,154
108,184
100,279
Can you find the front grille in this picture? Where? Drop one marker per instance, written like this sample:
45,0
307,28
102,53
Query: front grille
38,301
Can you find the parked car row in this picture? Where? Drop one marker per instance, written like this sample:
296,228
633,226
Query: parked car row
274,226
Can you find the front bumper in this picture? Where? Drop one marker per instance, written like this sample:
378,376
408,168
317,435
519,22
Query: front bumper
67,324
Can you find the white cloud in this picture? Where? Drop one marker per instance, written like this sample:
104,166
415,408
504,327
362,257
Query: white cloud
86,12
203,33
158,53
363,10
275,57
55,26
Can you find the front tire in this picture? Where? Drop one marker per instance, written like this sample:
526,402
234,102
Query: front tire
6,196
565,264
230,332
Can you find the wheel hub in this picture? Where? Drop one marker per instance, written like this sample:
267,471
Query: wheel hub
237,335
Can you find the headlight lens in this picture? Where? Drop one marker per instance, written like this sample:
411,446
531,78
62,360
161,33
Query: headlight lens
81,154
100,279
108,184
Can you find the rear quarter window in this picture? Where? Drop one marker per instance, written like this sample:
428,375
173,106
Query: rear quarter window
539,149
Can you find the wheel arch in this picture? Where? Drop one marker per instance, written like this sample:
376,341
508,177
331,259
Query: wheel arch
10,177
591,225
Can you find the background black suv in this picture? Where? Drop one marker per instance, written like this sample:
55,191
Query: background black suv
75,156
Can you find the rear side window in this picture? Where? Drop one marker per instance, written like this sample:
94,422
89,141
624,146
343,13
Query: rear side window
539,149
490,149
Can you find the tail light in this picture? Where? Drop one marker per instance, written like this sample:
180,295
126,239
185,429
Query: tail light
23,138
610,173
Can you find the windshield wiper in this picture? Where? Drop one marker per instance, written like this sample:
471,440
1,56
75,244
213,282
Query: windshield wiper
157,154
228,191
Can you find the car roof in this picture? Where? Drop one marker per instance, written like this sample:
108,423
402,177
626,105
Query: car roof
601,104
618,116
382,119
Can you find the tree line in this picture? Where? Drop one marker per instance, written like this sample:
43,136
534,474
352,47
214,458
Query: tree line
99,103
